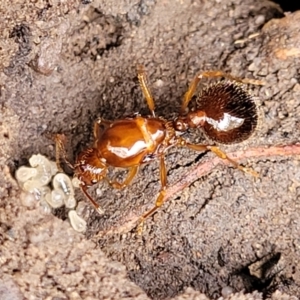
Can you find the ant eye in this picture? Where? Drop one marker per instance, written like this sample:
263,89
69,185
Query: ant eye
179,126
231,113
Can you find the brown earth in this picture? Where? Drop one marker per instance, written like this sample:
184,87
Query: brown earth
63,64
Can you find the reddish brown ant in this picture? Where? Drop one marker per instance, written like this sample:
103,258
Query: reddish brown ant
224,110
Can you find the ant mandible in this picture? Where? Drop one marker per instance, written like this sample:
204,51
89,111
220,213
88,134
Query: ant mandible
224,111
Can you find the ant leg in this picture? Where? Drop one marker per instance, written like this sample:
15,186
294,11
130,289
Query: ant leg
129,177
211,74
97,130
160,198
93,202
60,151
217,151
145,89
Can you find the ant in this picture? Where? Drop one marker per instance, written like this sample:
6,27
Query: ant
224,111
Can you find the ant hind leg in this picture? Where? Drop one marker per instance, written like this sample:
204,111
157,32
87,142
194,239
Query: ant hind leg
145,89
99,126
93,202
211,74
60,151
217,151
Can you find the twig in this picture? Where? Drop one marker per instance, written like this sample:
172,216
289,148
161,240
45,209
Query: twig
130,220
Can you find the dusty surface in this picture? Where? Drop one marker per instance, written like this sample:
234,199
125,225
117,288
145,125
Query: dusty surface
63,64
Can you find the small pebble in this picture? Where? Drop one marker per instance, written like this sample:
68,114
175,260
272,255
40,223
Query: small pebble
226,291
28,199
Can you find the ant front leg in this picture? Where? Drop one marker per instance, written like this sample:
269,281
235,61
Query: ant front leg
129,177
60,151
145,89
160,198
211,74
96,206
217,151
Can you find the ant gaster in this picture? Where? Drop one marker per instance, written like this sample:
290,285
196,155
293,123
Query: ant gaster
224,111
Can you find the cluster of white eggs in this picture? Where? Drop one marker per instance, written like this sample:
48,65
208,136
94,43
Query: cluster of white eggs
50,187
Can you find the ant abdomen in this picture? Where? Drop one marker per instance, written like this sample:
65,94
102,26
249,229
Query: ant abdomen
231,112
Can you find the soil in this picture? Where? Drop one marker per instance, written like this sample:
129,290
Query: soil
63,64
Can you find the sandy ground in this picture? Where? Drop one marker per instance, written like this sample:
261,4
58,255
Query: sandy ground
65,63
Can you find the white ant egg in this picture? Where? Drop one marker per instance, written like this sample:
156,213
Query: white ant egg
37,159
25,173
76,182
39,191
77,222
54,168
43,166
46,208
70,201
63,182
56,198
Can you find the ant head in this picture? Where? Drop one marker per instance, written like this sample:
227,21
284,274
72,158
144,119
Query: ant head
90,168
